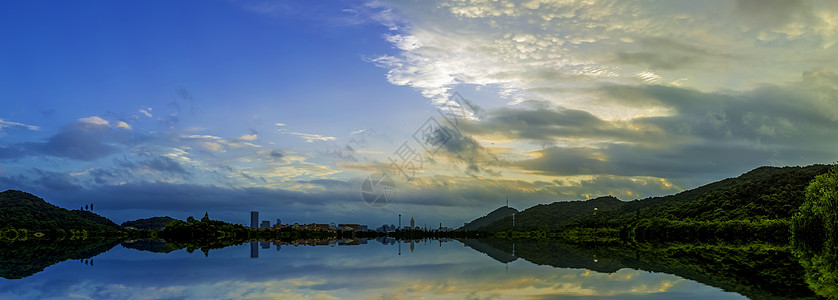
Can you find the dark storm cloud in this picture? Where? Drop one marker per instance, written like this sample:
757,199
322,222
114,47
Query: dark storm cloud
667,54
770,13
680,161
709,133
654,60
11,152
165,164
276,154
40,180
465,149
79,140
190,197
544,124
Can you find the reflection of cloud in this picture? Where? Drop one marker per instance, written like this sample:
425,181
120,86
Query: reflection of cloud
353,272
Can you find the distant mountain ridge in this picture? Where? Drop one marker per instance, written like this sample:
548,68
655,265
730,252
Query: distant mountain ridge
24,210
497,214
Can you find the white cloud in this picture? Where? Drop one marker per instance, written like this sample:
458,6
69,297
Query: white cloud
123,125
280,124
95,121
550,50
8,124
146,112
309,137
248,137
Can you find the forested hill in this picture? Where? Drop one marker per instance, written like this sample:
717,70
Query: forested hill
493,216
26,211
154,223
763,193
555,215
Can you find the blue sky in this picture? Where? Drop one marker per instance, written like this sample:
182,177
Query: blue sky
177,108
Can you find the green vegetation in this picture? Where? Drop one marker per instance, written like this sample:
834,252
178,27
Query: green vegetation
756,206
155,223
491,217
555,215
814,239
26,212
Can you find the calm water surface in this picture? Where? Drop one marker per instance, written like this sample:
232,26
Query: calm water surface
425,270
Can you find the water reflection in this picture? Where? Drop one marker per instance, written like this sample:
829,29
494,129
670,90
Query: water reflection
380,269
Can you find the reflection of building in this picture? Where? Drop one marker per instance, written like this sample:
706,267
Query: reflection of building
265,244
254,250
254,219
265,224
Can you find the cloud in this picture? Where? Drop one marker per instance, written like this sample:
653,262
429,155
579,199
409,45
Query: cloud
87,139
164,164
123,125
464,149
94,120
311,137
548,50
276,154
8,124
708,134
248,137
146,112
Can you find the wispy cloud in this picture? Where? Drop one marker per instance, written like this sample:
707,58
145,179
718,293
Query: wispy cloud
95,121
309,137
123,125
146,112
8,124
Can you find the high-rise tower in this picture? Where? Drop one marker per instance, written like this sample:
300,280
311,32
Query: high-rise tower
254,219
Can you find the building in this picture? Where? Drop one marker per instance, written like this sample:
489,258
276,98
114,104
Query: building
254,219
278,221
265,224
412,223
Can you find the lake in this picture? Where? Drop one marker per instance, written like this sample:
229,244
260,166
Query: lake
425,269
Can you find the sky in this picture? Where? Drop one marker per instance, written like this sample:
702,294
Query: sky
287,107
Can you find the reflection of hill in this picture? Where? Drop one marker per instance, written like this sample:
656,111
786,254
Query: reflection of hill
552,253
24,258
755,271
492,248
157,246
